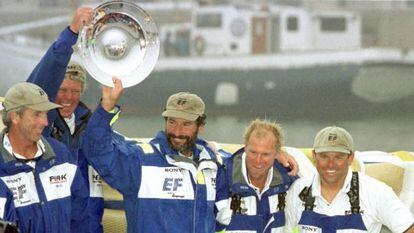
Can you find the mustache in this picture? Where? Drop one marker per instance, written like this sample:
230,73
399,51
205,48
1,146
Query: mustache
178,136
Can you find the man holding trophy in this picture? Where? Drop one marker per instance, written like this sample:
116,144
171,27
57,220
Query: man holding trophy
64,82
185,202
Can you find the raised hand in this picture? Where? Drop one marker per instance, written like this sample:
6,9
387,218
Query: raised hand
82,16
111,95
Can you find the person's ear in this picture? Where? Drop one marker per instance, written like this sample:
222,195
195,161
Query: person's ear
201,129
14,117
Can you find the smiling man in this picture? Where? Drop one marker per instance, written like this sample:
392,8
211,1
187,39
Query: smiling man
168,185
254,183
42,178
71,89
337,199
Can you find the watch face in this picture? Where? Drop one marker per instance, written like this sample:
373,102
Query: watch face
238,27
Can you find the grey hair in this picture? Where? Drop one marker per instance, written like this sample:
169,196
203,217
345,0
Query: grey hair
260,128
5,115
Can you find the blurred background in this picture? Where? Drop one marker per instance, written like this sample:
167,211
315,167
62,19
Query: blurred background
304,63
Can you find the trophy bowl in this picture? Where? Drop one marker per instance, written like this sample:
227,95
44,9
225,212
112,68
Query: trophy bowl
121,41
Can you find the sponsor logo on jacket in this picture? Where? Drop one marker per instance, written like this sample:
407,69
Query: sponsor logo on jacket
310,229
58,179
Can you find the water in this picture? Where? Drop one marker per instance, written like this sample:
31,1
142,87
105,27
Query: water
386,134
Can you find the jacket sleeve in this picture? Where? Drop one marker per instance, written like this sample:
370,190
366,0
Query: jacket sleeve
80,197
50,71
222,208
111,155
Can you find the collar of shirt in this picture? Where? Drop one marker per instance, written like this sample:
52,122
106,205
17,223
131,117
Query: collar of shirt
316,184
7,145
246,177
181,154
70,122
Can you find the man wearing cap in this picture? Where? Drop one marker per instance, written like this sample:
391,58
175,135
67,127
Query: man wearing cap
168,184
255,184
49,192
65,82
337,199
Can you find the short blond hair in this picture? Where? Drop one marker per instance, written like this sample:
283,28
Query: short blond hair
260,128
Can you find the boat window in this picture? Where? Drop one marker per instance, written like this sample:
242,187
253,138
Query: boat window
213,20
333,24
292,23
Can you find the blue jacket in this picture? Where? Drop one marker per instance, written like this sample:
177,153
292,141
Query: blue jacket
7,209
52,197
49,74
163,191
251,212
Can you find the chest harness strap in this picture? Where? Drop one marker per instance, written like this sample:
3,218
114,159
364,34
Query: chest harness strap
281,198
236,201
235,204
353,194
306,196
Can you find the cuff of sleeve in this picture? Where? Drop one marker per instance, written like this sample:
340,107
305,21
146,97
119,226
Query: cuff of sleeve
103,113
111,116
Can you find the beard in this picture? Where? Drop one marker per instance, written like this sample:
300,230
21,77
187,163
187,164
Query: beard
186,147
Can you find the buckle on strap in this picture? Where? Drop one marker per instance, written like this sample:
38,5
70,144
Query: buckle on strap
281,199
235,204
306,196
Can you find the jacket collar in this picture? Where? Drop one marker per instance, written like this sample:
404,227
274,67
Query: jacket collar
8,157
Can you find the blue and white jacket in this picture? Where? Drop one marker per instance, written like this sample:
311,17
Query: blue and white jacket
49,75
52,197
7,209
252,212
163,191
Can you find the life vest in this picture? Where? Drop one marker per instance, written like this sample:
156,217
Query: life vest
251,213
311,221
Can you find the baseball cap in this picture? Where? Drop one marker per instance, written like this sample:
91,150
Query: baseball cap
184,105
28,95
333,139
77,71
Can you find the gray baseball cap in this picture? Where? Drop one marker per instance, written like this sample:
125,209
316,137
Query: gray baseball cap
184,105
333,139
28,95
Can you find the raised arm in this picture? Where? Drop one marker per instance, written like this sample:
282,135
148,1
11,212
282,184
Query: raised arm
113,157
50,71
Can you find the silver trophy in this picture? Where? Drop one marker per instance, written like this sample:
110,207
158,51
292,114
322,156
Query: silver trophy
122,41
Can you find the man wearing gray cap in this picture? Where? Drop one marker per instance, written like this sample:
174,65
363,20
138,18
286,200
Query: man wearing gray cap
168,184
337,199
48,190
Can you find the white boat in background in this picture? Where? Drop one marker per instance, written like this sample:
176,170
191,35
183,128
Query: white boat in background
234,30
